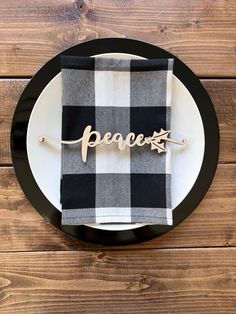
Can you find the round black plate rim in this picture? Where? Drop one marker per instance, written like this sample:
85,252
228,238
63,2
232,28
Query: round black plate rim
19,133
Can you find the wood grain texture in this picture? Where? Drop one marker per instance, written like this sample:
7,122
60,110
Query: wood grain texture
154,281
223,96
10,91
213,223
222,93
202,33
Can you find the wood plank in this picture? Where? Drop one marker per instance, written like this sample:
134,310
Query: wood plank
222,93
202,33
163,281
213,223
10,91
223,96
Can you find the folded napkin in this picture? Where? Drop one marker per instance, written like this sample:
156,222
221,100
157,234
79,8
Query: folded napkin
115,95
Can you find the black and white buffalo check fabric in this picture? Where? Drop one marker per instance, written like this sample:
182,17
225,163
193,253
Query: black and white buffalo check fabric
115,95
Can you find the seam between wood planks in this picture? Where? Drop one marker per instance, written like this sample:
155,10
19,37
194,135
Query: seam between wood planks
113,250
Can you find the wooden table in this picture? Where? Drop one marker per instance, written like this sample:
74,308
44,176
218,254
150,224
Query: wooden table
192,269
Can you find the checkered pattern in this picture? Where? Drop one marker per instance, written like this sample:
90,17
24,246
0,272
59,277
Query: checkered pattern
115,95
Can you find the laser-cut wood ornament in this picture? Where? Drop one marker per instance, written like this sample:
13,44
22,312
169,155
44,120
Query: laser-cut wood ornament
157,141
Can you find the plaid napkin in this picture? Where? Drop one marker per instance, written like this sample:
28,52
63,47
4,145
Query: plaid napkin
115,95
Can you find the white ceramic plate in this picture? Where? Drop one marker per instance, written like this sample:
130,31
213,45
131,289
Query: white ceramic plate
45,160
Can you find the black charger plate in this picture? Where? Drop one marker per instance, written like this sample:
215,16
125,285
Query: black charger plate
19,149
